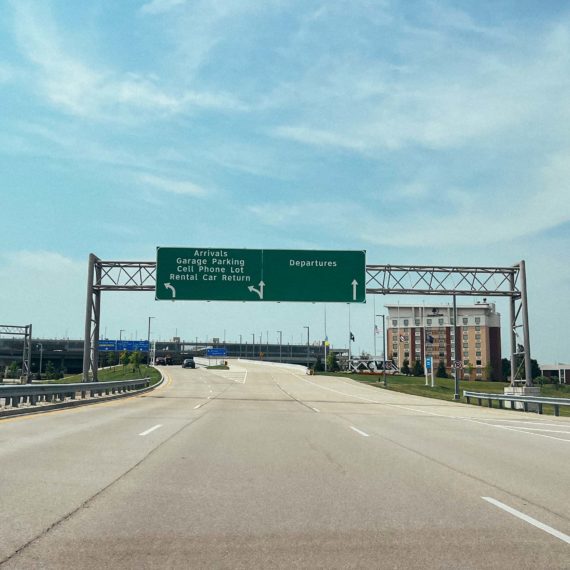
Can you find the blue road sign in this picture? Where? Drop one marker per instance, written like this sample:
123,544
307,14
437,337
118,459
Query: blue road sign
216,352
428,363
120,345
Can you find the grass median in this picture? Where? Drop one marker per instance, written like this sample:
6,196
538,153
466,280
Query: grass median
115,373
444,388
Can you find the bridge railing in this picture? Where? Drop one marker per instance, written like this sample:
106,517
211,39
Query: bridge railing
527,402
33,394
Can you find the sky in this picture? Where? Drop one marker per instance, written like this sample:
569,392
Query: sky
422,131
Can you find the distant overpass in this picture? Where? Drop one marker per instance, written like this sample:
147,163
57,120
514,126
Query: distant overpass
66,355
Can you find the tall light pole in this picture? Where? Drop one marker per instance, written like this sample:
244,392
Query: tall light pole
148,340
308,346
121,334
383,345
253,346
240,345
280,343
41,347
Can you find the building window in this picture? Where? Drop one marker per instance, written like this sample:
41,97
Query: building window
442,353
478,353
406,354
465,336
417,333
417,321
477,345
406,330
406,322
394,354
466,362
477,337
428,321
394,323
465,345
478,362
465,320
477,329
440,321
477,320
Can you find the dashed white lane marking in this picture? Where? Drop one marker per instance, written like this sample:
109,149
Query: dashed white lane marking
426,412
530,520
314,409
359,431
149,430
198,406
535,429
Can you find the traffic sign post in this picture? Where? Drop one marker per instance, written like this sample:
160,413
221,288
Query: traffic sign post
121,345
211,274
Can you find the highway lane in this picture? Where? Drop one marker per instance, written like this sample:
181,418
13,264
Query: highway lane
265,467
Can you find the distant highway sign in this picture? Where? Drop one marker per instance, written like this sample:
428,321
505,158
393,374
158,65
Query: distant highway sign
217,274
216,352
120,345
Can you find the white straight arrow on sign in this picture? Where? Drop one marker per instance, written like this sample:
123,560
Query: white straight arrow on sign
354,284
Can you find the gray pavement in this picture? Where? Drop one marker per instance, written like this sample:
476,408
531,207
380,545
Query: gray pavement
265,467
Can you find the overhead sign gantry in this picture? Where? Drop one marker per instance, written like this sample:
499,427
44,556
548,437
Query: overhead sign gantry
217,274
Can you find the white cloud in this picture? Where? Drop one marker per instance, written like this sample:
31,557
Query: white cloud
160,6
172,186
93,90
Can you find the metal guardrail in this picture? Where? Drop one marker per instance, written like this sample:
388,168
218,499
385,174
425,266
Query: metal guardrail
35,393
538,401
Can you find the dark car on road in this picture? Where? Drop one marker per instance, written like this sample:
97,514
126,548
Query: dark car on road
188,363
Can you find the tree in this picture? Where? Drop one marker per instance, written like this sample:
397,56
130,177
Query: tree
319,364
124,358
332,362
102,359
488,371
441,370
406,367
12,370
418,369
135,360
50,371
470,369
110,359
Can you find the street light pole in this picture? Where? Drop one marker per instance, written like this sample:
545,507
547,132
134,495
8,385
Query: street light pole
148,340
280,343
240,345
253,346
121,334
308,346
41,347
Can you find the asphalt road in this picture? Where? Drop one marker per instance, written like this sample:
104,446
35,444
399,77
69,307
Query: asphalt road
265,467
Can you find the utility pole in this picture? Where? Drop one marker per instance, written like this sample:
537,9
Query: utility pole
308,346
41,347
253,346
148,340
240,345
280,343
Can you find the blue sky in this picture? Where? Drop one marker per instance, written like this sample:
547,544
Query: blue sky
422,131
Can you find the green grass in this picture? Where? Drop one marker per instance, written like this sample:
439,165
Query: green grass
445,388
115,373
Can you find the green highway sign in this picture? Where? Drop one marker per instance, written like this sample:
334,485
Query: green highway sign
218,274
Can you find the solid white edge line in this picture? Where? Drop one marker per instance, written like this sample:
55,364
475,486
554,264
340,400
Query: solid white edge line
151,429
530,520
359,431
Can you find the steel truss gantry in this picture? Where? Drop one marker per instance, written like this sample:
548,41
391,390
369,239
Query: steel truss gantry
381,280
26,332
465,281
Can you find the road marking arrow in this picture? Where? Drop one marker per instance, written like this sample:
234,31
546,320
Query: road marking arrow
169,286
354,284
259,291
